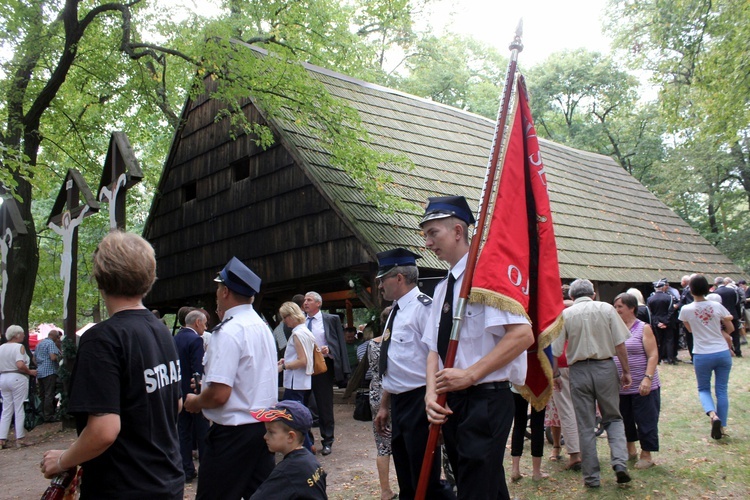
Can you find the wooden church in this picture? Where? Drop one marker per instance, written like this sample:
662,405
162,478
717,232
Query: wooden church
302,224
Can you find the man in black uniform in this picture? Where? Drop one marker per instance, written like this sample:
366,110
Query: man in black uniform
661,305
730,299
403,357
686,298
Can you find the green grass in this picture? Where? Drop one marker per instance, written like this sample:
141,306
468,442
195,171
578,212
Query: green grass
689,464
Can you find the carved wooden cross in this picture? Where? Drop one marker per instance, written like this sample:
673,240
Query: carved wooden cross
67,214
11,225
121,172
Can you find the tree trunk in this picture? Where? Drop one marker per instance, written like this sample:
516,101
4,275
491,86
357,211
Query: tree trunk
25,258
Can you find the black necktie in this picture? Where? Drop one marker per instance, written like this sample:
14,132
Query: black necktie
446,319
383,362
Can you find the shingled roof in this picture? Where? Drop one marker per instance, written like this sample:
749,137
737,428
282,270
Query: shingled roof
303,224
609,227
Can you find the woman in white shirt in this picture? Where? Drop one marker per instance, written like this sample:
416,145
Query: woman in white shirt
297,363
14,384
712,351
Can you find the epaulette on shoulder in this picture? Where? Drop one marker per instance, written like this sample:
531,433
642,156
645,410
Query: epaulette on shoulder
426,300
218,327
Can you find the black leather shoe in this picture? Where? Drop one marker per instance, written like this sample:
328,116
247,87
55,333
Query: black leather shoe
622,474
326,450
189,477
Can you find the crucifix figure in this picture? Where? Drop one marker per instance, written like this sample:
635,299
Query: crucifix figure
110,196
11,226
5,243
67,214
121,172
67,230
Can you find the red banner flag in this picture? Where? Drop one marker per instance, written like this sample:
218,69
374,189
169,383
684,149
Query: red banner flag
517,269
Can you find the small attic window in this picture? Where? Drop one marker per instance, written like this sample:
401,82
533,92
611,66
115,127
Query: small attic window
241,169
189,191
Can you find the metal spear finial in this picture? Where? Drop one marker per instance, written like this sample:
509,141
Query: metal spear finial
516,43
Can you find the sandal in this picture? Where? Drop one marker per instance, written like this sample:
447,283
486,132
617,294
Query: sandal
575,466
22,444
4,445
555,457
516,477
644,464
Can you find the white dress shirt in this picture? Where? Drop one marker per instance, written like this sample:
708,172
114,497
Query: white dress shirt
407,354
481,330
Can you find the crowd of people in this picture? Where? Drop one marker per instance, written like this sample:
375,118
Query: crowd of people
148,403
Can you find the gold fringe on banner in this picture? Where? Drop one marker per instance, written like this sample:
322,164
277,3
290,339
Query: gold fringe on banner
545,339
497,300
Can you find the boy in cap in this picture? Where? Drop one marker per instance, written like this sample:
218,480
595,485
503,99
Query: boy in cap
298,475
491,355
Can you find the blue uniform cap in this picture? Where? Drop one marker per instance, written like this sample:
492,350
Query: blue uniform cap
662,282
239,278
393,258
292,413
440,207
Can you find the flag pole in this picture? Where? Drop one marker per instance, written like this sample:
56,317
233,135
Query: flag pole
497,145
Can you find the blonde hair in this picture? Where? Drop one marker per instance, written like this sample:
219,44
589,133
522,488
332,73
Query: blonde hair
293,310
124,265
638,296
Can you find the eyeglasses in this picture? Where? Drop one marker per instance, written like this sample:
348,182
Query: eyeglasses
382,279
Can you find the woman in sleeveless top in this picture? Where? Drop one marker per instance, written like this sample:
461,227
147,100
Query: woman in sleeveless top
640,403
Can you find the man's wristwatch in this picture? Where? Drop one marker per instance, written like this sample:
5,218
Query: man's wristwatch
650,377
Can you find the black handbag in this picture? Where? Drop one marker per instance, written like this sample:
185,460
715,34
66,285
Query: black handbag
362,410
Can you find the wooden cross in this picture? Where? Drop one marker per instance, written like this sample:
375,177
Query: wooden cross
11,225
121,172
67,214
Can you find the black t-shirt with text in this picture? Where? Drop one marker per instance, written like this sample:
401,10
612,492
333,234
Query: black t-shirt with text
128,366
298,477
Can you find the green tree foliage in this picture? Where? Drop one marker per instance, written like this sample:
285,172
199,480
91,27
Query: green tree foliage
583,99
457,71
77,70
696,52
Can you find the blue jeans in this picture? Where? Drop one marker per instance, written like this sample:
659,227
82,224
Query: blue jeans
705,365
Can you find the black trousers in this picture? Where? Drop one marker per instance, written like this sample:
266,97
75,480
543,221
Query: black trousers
192,428
665,340
47,386
409,433
235,464
322,388
736,338
519,428
475,437
640,414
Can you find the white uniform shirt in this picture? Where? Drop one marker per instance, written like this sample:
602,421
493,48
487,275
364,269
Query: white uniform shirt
318,329
482,329
407,354
242,355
